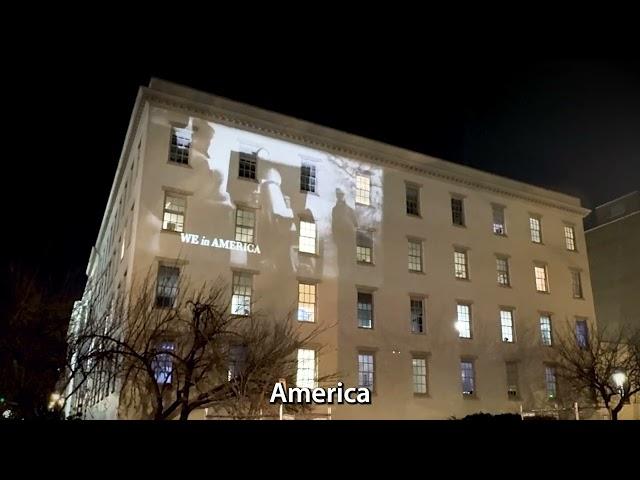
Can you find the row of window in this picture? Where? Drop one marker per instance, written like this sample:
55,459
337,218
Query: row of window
242,291
307,371
245,222
247,166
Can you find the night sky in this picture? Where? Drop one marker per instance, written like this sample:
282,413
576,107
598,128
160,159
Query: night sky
568,125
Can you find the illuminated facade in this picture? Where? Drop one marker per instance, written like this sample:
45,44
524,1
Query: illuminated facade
445,284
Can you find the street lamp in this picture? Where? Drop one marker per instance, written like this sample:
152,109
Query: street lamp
619,379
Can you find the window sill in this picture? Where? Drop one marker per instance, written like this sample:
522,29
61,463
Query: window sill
307,254
365,264
421,395
418,333
517,398
544,292
467,279
178,164
537,243
508,343
175,232
578,298
473,396
309,192
419,272
465,338
414,215
365,328
503,235
253,180
502,285
364,205
458,226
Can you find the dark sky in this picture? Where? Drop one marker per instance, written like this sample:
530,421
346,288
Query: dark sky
568,125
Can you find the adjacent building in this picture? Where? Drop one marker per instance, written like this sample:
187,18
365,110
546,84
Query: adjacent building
445,285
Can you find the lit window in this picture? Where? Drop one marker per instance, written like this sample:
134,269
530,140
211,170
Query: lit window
570,238
576,284
174,210
498,220
582,333
413,200
460,264
167,286
417,315
545,330
247,165
245,225
242,289
457,211
180,145
364,247
366,370
163,362
512,380
306,302
506,325
308,178
468,377
502,266
419,375
237,359
551,382
365,310
463,324
307,240
306,375
536,229
415,256
363,189
542,285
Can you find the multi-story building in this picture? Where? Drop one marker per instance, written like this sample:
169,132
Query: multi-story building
444,285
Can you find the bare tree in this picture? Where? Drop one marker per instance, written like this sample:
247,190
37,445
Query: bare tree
172,354
587,362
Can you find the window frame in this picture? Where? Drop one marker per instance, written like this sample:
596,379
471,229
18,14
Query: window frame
548,316
501,208
535,219
469,322
503,325
311,179
570,242
176,150
245,210
314,368
372,372
462,216
424,374
422,314
173,211
474,381
308,221
412,241
543,266
241,274
175,288
368,235
506,272
457,252
371,309
248,162
359,196
314,285
417,189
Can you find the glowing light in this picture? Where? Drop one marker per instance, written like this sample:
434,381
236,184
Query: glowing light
619,379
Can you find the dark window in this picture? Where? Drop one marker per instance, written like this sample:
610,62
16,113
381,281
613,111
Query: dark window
457,211
180,145
167,287
163,362
365,310
308,178
413,200
417,315
247,166
582,333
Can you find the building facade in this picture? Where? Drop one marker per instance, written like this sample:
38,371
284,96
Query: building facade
443,286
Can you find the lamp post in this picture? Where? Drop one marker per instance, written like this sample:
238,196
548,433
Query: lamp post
619,379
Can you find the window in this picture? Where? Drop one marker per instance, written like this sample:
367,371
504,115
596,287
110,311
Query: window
167,286
308,178
306,376
364,247
306,302
307,241
241,298
506,325
457,211
413,199
366,370
180,145
237,359
245,225
415,256
468,377
545,330
576,284
536,229
174,210
512,380
163,362
463,325
363,189
542,285
247,165
365,310
570,238
582,333
417,315
502,266
498,220
460,264
419,365
551,382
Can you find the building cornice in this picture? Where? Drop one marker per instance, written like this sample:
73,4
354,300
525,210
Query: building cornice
263,122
